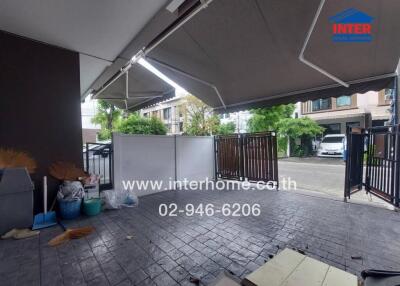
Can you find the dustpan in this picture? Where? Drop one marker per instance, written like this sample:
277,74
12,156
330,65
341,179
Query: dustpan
45,219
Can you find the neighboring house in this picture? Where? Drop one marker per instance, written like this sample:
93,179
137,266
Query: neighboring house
240,119
171,112
363,110
89,130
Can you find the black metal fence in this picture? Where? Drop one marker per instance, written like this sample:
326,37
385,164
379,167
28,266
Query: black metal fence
98,159
247,156
378,149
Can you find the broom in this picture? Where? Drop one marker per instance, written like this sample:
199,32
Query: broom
70,233
10,158
66,171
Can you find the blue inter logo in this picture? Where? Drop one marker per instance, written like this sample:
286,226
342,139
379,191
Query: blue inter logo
351,25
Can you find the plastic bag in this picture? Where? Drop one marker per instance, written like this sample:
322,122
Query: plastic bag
115,199
70,190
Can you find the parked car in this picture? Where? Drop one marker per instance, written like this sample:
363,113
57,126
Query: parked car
331,146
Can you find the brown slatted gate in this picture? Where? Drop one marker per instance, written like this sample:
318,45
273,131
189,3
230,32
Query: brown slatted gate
250,157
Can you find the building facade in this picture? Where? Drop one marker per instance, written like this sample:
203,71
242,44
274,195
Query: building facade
89,129
171,112
358,110
240,119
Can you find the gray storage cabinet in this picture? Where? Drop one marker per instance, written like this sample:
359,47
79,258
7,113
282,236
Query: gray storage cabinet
16,199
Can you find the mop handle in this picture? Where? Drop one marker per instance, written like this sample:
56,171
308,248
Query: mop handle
45,194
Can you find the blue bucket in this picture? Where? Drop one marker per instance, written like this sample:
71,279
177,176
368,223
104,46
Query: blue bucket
70,209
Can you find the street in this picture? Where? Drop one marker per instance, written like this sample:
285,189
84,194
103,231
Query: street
324,175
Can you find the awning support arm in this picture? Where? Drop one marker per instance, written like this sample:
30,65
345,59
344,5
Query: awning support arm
134,97
188,75
310,64
126,89
152,45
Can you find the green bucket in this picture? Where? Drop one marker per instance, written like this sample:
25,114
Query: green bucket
92,207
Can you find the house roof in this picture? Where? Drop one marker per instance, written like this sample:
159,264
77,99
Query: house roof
351,16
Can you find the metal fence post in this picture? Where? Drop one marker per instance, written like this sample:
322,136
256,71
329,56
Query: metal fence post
241,158
397,173
215,158
347,168
275,158
87,158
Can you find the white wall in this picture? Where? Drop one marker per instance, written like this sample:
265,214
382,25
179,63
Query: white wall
161,158
141,157
194,158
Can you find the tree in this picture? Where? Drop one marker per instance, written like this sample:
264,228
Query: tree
108,117
267,119
135,124
279,118
299,127
304,129
226,128
201,120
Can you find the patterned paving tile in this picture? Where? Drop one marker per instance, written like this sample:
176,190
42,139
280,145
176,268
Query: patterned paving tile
170,250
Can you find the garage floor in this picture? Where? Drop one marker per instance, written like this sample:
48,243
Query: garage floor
168,250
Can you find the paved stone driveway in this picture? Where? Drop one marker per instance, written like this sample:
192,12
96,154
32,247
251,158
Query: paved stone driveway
168,250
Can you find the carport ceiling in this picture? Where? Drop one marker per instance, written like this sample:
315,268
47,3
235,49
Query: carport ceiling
234,53
98,29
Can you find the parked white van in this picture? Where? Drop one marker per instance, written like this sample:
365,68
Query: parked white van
331,146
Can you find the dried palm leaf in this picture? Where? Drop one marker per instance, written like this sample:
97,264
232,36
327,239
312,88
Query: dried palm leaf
10,158
73,233
66,171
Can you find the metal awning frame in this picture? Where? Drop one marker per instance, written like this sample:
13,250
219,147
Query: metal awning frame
143,54
303,49
147,49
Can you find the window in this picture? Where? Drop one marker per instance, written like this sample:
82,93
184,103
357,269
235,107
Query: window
378,123
335,139
321,104
180,126
146,114
167,113
352,124
333,128
169,127
154,114
344,100
389,94
223,115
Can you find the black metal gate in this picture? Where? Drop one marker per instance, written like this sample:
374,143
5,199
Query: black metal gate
250,157
379,150
355,160
98,158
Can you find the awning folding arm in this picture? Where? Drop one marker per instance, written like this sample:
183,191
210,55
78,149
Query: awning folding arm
151,46
310,64
126,89
188,75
